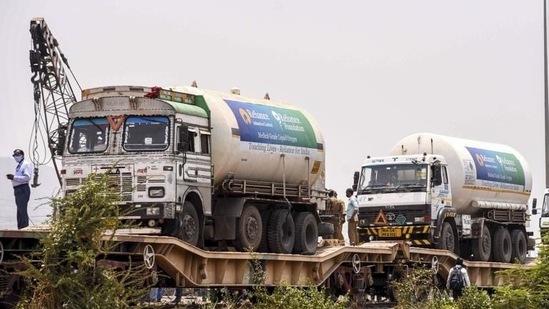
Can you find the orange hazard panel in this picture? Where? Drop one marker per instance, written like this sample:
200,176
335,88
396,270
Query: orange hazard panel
380,219
116,122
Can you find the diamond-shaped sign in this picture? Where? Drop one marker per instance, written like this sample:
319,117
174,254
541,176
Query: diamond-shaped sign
400,219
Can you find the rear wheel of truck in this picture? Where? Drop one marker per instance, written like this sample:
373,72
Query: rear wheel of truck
189,224
502,245
264,244
519,246
482,246
447,239
306,233
281,232
249,229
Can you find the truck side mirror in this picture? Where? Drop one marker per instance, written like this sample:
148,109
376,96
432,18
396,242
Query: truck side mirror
62,137
534,204
356,176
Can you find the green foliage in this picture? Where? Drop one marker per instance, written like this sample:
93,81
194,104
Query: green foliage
281,296
474,298
417,288
228,299
512,297
289,297
70,272
526,287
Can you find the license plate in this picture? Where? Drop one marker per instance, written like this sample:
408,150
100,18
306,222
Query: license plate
389,232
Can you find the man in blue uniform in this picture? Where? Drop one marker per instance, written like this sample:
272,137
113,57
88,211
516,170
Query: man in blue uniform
20,182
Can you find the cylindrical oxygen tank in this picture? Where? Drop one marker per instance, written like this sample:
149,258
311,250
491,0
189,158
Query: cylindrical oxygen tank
263,140
480,173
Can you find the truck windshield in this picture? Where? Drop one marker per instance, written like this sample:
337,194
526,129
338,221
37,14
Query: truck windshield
146,133
89,135
393,178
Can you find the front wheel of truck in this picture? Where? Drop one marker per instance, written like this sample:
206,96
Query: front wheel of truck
189,224
447,240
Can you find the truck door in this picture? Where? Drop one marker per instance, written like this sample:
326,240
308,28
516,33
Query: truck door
440,188
186,146
194,145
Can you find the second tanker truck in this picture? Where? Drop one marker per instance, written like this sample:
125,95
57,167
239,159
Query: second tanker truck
461,195
213,169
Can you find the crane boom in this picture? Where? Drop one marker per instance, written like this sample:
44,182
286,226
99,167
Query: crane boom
53,95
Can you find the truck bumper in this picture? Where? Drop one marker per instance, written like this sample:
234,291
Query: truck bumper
419,235
146,211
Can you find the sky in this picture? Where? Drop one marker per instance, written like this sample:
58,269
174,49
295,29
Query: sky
370,72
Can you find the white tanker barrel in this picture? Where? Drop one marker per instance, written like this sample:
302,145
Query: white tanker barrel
482,175
263,140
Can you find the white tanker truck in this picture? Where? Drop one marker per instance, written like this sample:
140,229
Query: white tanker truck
461,195
211,168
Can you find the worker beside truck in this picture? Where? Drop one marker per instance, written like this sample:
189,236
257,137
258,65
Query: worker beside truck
465,196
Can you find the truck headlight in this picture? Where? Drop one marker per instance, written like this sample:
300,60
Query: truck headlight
153,211
156,192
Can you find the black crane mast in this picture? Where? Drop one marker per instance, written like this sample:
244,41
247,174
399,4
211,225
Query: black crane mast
53,95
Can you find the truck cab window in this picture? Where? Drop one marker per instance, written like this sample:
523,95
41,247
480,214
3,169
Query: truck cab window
190,140
436,177
204,142
146,133
444,175
88,135
388,178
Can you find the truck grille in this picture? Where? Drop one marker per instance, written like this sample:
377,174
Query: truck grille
395,216
123,181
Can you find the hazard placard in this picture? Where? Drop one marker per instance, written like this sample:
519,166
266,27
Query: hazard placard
380,219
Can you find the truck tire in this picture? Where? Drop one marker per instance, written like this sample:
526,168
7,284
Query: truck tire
264,244
189,224
502,245
482,246
249,229
170,227
306,233
281,231
519,246
447,239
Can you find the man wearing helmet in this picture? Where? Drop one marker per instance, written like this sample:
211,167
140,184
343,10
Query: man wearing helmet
20,182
